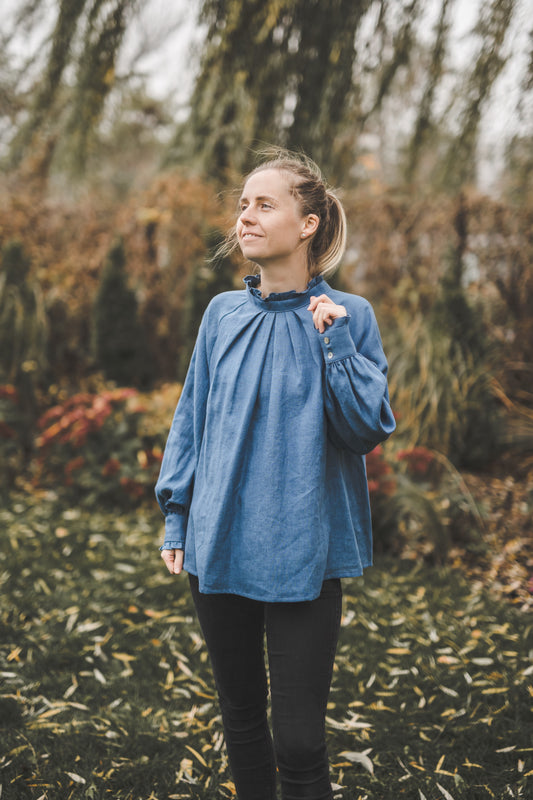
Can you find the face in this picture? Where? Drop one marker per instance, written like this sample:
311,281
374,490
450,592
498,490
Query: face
270,226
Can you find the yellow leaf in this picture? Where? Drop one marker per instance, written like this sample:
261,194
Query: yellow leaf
448,660
51,713
124,657
76,778
149,612
14,654
198,756
169,679
439,765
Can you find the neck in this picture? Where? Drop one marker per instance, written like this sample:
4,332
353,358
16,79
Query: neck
277,278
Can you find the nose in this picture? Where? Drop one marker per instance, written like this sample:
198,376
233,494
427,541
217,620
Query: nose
246,217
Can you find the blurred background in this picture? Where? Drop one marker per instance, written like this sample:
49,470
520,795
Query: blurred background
125,127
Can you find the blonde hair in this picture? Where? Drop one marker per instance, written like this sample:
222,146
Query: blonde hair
327,245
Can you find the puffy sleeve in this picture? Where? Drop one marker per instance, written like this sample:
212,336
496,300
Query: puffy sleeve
356,393
176,478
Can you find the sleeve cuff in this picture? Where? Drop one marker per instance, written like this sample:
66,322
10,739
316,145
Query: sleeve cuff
175,531
336,341
172,546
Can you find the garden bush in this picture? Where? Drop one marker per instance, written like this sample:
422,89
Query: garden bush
104,448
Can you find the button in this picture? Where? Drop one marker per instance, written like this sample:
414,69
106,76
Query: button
326,339
330,354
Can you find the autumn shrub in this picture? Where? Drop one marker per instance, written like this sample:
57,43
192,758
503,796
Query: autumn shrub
10,445
442,394
104,447
420,504
118,338
23,334
166,228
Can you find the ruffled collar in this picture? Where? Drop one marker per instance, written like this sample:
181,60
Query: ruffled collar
283,301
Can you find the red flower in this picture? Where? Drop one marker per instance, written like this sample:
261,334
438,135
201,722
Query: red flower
8,392
379,473
71,466
111,467
6,432
132,487
417,459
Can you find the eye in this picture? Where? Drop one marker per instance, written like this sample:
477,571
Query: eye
266,205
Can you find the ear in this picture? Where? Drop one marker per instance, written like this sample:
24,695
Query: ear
310,225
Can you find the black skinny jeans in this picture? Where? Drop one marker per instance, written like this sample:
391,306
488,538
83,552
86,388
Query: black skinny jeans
301,643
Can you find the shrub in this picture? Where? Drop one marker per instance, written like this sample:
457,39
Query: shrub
23,331
103,447
420,504
119,342
10,445
443,395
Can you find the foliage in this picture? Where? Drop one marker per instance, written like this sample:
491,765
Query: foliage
11,456
22,323
23,330
459,165
104,448
241,94
420,504
107,691
440,394
452,280
328,78
165,229
103,26
205,281
119,342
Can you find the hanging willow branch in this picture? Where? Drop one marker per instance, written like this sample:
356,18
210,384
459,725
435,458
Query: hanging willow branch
423,123
404,42
278,71
43,105
96,74
460,162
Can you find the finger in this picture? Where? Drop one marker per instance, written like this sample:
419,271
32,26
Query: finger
321,318
323,315
178,561
168,557
314,301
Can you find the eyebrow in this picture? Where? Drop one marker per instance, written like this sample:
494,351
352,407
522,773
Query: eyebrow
259,199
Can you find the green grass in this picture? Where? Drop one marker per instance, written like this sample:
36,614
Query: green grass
106,690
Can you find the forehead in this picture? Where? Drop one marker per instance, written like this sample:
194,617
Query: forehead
271,182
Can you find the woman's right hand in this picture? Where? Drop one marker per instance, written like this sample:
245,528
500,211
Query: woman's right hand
174,560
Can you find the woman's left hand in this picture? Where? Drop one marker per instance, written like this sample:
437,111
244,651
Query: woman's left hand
324,311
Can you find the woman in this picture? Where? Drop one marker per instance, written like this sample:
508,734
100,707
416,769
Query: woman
263,481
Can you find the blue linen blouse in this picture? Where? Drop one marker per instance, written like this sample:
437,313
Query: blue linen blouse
263,479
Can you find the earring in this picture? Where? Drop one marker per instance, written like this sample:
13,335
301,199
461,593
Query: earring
302,236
